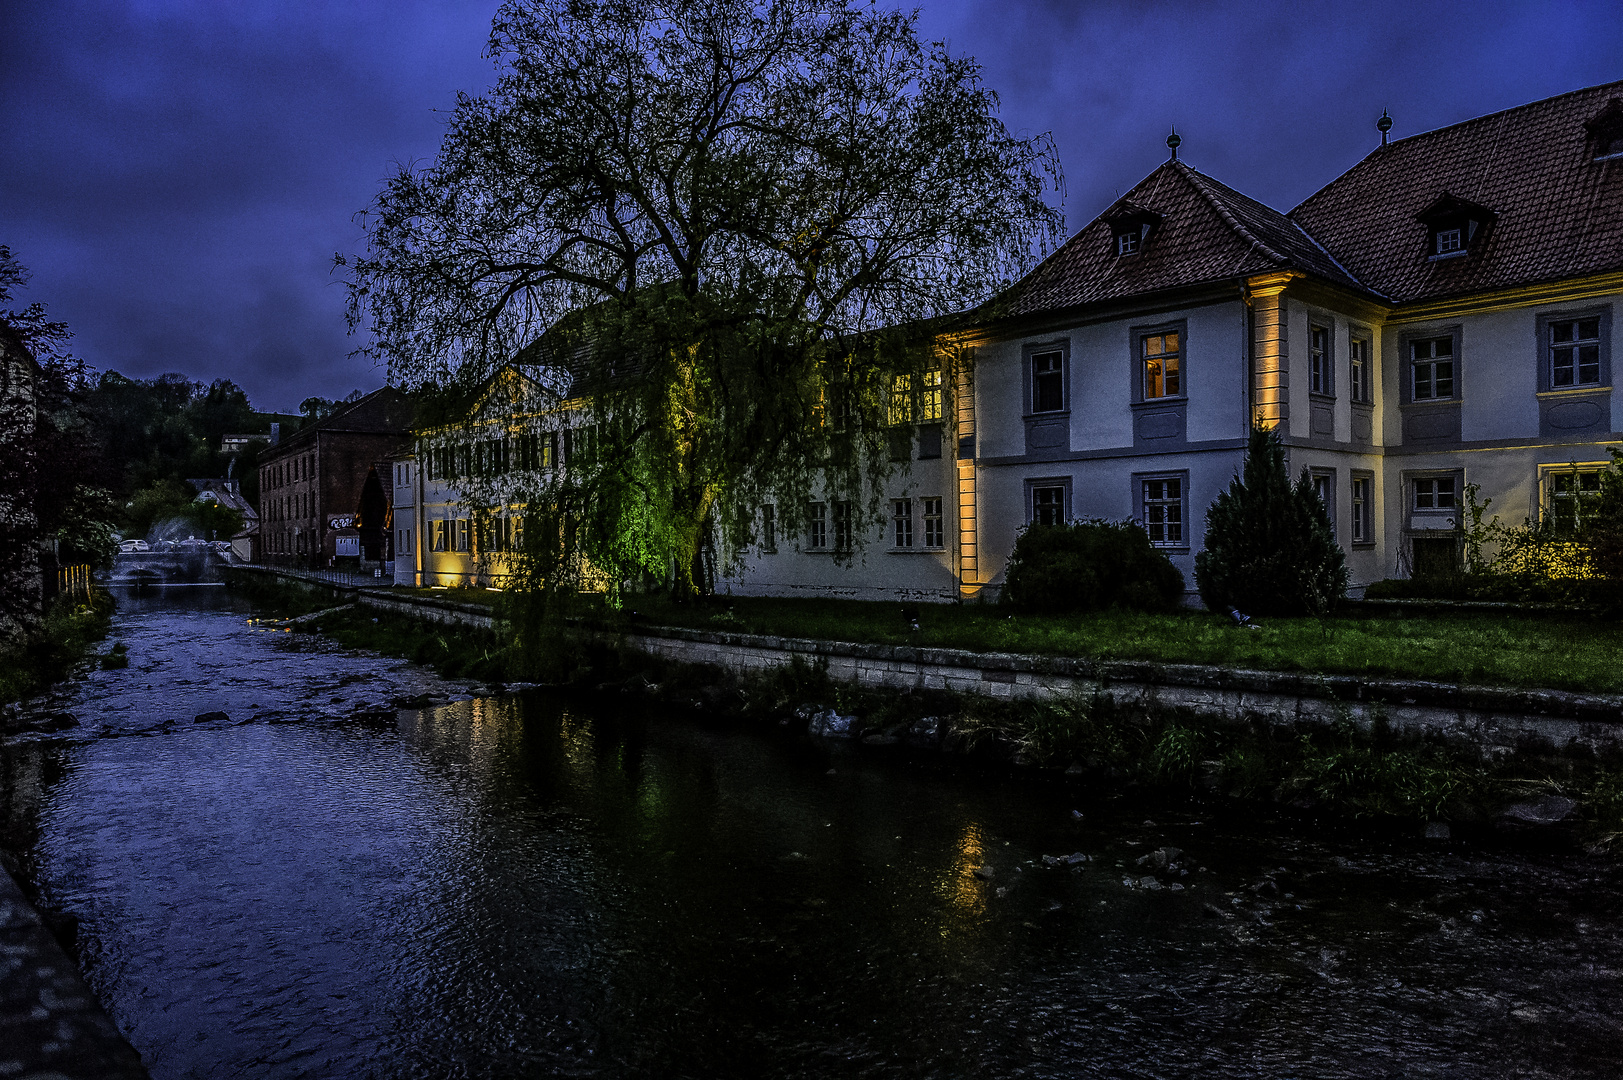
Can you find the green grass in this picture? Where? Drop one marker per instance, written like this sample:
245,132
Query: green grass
1559,652
482,597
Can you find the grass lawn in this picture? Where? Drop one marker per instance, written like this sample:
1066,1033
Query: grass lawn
1558,652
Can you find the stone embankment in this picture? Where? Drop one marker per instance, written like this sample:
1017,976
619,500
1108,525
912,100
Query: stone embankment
1496,720
50,1023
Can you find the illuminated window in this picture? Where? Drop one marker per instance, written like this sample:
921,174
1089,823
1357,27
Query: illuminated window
1161,367
1575,352
1432,368
930,397
934,533
901,514
1047,382
901,399
1163,511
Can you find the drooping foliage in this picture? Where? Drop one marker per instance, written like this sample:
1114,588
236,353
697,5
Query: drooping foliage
713,234
1269,546
1088,566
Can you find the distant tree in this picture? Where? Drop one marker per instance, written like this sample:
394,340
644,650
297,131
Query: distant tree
737,219
1269,546
319,408
46,340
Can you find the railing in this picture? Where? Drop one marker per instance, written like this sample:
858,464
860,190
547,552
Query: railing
343,578
73,582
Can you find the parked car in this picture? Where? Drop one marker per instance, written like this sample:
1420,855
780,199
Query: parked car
128,546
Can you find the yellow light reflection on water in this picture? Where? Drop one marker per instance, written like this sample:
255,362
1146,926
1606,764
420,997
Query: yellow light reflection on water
964,892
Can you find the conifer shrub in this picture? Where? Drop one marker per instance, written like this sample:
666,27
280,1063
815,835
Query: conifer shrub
1090,566
1269,546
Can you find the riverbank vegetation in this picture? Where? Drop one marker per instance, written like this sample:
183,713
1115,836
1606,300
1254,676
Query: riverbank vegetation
70,631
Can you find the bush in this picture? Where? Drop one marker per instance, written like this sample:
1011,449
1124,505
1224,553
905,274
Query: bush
1088,566
1269,547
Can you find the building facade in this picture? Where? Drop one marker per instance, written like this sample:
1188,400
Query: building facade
1434,323
328,483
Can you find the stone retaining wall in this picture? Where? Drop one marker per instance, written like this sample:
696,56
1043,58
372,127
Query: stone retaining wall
1492,719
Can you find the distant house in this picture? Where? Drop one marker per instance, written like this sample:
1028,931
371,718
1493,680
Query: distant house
332,476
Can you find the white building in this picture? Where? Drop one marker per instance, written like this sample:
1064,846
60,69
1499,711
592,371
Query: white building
1439,315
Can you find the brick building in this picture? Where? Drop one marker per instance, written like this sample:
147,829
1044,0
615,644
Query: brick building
327,480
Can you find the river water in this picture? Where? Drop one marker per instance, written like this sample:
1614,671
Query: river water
366,871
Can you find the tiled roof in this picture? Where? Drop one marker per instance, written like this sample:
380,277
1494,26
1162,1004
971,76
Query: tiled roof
1559,211
1208,233
385,411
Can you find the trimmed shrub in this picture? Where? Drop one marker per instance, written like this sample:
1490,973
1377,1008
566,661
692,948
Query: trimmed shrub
1088,566
1269,547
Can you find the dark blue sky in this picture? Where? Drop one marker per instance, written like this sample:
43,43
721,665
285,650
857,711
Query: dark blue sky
178,173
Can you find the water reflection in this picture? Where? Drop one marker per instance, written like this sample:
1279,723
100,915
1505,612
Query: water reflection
505,886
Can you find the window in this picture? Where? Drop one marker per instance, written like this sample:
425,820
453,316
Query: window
1571,495
817,526
901,514
1318,350
842,526
1448,241
1161,374
1432,365
1575,352
769,528
1358,370
1048,505
901,399
1163,511
1434,493
934,534
1047,382
930,397
1127,242
460,535
1363,523
442,533
1324,486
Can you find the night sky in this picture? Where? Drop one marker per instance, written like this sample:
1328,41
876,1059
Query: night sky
179,174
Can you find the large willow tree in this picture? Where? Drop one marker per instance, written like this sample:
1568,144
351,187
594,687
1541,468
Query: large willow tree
728,227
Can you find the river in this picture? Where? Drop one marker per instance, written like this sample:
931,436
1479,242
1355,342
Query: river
367,871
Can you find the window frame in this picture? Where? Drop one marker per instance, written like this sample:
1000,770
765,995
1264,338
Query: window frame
817,526
1321,362
1434,481
769,528
1549,474
844,527
1360,370
1031,353
939,518
1407,342
1140,372
1362,510
1043,483
1141,504
901,521
1546,361
1324,486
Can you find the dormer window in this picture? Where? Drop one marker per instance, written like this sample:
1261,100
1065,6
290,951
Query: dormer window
1454,226
1131,227
1606,132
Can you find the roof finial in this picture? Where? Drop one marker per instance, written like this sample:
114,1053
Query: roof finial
1173,142
1384,124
